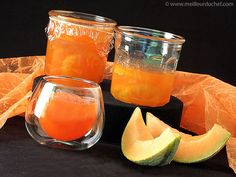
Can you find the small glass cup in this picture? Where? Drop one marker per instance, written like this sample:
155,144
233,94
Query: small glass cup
78,44
144,65
65,112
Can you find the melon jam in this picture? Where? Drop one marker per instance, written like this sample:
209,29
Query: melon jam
66,112
144,65
78,44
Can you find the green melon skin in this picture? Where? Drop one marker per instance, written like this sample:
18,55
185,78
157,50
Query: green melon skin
207,156
170,156
162,156
215,146
192,149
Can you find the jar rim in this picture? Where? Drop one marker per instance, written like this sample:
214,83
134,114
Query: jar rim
152,34
81,18
54,79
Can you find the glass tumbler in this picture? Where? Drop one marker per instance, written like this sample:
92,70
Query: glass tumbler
78,44
65,112
144,65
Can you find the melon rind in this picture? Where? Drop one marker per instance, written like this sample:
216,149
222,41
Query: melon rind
192,149
172,151
165,148
140,147
216,145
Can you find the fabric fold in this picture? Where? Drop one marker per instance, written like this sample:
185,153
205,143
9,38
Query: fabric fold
16,75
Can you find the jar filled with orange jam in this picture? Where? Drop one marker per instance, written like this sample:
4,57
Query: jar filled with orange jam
78,44
144,65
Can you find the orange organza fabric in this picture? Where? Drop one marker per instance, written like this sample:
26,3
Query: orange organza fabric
16,77
207,100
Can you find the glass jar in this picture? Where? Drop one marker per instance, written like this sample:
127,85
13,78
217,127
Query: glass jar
66,113
78,44
144,65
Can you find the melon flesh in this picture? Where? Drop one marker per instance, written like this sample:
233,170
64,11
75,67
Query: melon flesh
139,146
192,148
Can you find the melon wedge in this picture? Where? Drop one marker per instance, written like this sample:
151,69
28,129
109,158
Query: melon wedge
192,148
139,146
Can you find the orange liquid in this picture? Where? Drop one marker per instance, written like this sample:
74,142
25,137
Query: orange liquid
68,117
146,88
83,56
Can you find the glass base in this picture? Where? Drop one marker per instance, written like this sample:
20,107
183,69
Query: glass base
82,143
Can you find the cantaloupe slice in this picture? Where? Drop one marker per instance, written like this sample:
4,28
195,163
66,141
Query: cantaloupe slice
192,148
139,146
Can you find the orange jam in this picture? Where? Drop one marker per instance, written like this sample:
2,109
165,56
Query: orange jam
141,87
77,47
68,117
